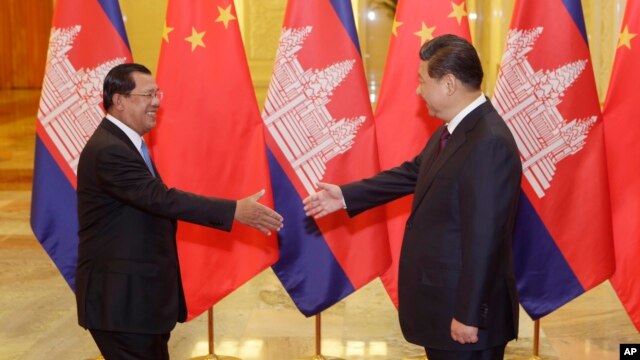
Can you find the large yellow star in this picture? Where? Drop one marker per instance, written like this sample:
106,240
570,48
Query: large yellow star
458,11
425,33
195,39
165,32
396,25
225,16
625,37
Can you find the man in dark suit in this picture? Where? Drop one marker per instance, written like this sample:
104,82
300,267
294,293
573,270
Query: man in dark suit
128,288
456,287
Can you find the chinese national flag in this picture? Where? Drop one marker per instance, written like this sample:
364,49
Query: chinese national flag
210,140
622,134
401,114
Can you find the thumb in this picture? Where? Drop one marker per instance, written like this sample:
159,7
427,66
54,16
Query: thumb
257,196
323,186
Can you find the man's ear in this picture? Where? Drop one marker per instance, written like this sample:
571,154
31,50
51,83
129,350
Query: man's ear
118,101
451,83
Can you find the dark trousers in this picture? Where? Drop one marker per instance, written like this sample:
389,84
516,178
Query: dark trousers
494,353
128,346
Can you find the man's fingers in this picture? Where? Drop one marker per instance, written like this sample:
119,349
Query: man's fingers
258,195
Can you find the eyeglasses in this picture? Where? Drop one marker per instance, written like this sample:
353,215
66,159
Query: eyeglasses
158,94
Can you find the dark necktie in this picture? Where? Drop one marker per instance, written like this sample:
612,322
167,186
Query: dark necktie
444,137
146,157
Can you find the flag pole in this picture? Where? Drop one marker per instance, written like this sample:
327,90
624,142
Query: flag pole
212,354
318,355
536,341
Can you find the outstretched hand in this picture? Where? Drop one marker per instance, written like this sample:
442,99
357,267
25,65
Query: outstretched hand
250,212
325,201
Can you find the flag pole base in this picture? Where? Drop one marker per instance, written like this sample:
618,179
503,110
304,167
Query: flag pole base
320,357
215,357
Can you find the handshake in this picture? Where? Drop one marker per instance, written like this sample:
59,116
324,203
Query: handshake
250,212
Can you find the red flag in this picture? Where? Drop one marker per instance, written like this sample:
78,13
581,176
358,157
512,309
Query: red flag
320,128
210,140
87,40
401,114
546,94
622,134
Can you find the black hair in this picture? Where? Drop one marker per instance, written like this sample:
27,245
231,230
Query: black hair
120,81
451,54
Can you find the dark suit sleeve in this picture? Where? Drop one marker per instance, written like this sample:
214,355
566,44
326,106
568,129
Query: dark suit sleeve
489,186
381,188
127,179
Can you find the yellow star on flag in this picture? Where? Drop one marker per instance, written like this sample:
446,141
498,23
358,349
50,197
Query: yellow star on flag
425,33
396,25
625,37
195,39
225,16
458,11
165,32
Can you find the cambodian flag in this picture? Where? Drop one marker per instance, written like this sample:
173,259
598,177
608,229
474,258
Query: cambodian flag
320,128
87,40
547,95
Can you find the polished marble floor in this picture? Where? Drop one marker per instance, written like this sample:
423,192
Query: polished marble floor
257,321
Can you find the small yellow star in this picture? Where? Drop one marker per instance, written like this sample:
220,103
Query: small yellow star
458,11
195,39
425,33
396,25
225,16
165,31
625,37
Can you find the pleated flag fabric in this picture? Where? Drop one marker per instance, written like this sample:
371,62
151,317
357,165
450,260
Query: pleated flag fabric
210,140
87,39
547,95
320,128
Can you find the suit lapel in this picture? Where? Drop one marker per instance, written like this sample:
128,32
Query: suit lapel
435,163
115,130
431,167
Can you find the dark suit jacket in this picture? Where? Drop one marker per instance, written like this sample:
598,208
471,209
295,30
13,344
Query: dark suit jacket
456,259
128,276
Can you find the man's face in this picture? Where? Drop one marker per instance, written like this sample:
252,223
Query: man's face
433,91
139,111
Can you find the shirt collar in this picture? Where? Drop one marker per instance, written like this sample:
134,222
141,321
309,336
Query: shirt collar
451,126
135,138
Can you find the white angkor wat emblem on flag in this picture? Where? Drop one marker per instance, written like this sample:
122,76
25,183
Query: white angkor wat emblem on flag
70,102
527,99
296,114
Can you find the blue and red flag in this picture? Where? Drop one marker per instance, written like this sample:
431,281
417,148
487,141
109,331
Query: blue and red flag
401,113
546,93
622,131
87,39
320,128
210,140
